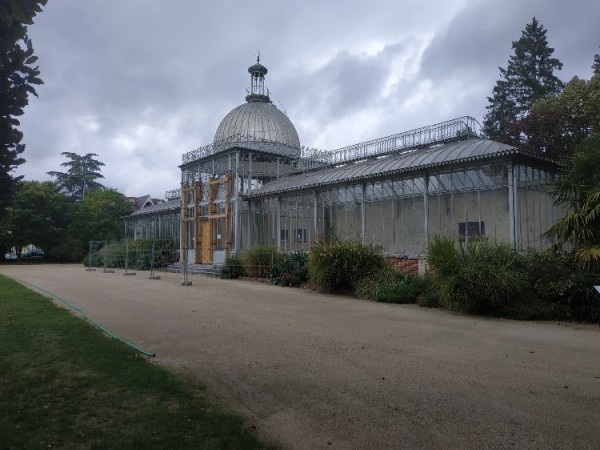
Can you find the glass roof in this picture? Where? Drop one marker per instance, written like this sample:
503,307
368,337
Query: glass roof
455,153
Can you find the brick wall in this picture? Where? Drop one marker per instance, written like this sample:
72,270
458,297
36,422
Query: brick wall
406,265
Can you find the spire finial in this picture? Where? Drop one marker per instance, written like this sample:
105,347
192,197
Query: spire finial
258,57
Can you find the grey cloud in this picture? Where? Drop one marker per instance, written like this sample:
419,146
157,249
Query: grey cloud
175,69
479,38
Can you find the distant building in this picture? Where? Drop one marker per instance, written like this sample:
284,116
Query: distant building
142,202
255,185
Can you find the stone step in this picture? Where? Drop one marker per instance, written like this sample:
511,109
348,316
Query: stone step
202,269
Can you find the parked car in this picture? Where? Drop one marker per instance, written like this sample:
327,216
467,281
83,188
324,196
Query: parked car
10,256
33,255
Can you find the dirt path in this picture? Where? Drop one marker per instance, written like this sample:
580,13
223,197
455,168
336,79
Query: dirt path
316,371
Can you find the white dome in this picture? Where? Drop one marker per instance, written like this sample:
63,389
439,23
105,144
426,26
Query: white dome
257,122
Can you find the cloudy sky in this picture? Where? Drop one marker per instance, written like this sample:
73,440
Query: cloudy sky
139,82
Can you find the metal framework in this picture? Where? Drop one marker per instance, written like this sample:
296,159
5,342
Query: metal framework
502,198
255,185
394,192
443,132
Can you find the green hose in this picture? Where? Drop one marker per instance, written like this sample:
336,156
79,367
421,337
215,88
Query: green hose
89,319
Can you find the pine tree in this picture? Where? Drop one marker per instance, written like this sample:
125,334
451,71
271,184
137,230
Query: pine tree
502,109
596,65
528,77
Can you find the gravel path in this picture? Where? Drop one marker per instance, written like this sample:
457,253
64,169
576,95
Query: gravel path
316,371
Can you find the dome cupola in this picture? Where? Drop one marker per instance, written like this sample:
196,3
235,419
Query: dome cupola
257,91
258,124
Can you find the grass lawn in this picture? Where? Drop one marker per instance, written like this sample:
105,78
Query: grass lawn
64,384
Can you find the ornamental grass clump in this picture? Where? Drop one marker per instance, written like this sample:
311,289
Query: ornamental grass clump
391,285
259,261
475,276
338,264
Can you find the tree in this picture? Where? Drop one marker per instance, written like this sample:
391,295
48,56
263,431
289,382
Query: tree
44,216
39,215
557,125
17,77
81,176
99,216
502,109
528,77
596,65
578,190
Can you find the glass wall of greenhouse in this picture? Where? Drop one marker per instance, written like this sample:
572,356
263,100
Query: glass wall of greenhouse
470,188
159,221
502,201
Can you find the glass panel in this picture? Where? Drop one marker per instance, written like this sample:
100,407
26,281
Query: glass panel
418,185
458,181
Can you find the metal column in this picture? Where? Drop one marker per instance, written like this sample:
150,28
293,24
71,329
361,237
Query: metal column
426,210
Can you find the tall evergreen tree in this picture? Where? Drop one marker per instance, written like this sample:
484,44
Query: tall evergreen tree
81,176
596,65
17,77
528,77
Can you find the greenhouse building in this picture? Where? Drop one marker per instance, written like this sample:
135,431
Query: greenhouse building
255,185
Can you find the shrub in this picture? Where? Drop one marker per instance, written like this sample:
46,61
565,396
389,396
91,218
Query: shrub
112,255
391,285
140,254
232,268
291,270
338,264
475,276
429,298
289,279
68,249
559,289
259,261
164,252
95,262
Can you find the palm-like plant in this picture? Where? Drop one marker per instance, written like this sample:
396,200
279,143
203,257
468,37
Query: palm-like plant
578,190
